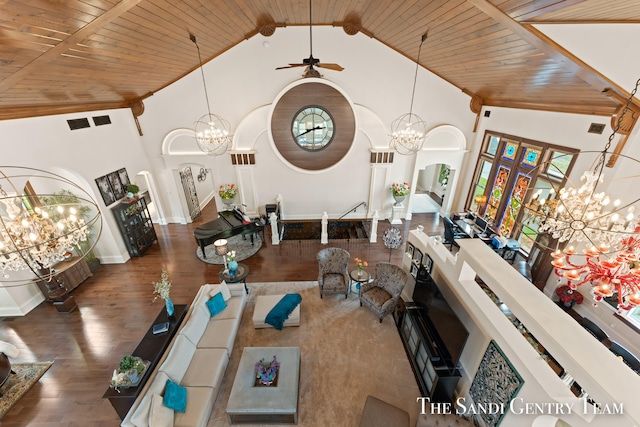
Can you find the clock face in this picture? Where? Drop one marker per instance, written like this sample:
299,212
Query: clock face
312,128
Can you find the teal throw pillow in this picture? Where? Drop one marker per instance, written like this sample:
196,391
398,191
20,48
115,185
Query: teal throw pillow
216,304
175,397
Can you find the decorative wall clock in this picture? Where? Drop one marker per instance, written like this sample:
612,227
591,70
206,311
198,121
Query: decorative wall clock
313,125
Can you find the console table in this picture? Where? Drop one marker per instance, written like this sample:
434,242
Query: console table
151,348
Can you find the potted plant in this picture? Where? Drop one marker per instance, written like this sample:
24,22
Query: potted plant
132,191
131,366
399,191
228,193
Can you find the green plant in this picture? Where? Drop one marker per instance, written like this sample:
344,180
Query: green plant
132,188
127,363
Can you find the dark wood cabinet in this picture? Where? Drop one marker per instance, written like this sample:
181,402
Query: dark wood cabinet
436,378
134,222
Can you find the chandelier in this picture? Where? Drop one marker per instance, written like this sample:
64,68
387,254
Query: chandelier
38,230
409,130
211,131
607,231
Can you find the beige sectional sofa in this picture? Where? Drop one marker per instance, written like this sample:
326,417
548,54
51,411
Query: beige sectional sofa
196,359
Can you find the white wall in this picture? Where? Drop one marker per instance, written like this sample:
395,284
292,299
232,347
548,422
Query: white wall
243,83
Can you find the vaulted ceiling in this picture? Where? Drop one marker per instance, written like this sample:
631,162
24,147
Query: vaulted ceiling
78,55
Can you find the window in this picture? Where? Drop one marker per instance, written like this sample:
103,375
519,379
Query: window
508,168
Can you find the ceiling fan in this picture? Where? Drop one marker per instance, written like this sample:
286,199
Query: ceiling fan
312,62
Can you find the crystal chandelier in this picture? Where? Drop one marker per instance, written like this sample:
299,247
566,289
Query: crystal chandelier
211,131
409,130
37,231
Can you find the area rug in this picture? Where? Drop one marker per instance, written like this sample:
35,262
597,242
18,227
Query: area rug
345,355
26,375
243,247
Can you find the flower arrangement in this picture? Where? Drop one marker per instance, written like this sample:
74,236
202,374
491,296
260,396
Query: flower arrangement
227,191
161,289
360,264
400,189
568,296
129,370
231,256
266,371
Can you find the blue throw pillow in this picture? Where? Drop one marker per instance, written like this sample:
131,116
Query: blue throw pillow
216,304
175,397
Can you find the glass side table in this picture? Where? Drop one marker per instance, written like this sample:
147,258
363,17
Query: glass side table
358,280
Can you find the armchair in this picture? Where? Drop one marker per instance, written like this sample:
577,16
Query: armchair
333,271
382,294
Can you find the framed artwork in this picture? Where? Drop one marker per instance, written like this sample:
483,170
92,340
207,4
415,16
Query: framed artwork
105,190
119,191
410,249
496,381
417,257
414,270
428,263
124,178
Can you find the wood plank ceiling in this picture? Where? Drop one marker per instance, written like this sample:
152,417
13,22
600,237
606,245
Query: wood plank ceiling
79,55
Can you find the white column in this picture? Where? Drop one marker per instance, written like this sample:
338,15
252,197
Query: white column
324,236
373,238
275,239
396,213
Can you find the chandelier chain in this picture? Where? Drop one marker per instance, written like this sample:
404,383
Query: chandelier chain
204,83
415,77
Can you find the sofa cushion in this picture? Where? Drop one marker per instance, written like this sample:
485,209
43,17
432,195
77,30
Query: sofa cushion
199,407
160,415
216,304
207,368
219,334
175,397
234,309
178,359
196,325
140,416
223,289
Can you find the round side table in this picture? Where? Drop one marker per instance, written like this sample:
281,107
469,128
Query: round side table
357,280
239,276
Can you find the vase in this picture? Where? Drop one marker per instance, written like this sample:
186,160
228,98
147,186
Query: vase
132,374
233,266
267,378
228,202
169,305
398,200
359,272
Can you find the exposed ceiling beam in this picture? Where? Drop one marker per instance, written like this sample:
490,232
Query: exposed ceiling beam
34,66
552,49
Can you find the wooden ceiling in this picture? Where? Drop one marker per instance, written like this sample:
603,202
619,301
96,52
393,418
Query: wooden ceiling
79,55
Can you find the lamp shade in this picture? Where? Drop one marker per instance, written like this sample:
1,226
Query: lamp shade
221,246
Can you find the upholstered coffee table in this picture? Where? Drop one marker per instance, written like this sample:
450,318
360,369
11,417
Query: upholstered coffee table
264,304
276,404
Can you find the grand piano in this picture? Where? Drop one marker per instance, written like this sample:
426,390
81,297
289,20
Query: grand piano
229,223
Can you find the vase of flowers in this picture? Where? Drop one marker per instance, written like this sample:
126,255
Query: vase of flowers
161,290
228,193
231,261
399,191
361,265
568,297
266,372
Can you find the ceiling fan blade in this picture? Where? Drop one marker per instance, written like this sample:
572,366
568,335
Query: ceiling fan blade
291,66
334,67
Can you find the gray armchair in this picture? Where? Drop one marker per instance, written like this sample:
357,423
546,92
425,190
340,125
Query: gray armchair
333,271
382,294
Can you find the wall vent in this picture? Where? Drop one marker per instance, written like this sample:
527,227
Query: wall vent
102,120
78,123
596,128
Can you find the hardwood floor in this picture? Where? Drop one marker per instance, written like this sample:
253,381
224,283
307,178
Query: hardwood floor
116,309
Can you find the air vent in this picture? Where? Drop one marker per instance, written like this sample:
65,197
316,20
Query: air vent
596,128
78,123
102,120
